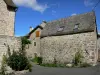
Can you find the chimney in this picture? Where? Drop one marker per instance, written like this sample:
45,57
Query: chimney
43,24
31,28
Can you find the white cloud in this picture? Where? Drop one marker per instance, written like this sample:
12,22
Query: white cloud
73,14
54,12
55,5
89,2
32,4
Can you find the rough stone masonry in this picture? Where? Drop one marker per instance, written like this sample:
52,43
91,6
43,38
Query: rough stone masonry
7,20
61,39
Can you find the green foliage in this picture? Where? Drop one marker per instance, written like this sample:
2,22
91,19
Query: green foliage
37,60
78,58
53,65
25,41
3,65
85,65
18,60
3,70
49,65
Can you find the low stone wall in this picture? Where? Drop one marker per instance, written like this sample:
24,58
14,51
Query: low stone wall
63,48
13,42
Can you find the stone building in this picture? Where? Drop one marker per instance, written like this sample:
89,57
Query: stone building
34,36
7,21
61,39
7,17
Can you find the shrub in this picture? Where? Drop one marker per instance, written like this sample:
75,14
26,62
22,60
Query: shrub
78,59
18,60
39,60
25,41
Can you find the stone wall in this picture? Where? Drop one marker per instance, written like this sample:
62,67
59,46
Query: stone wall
13,42
7,19
63,48
31,49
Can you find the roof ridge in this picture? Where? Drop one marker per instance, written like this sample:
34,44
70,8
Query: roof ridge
70,16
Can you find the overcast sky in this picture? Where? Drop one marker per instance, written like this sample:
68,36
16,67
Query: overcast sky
33,12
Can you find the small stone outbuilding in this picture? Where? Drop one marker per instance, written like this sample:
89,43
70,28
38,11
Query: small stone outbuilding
61,39
34,36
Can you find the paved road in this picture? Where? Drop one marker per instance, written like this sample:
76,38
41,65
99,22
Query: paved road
38,70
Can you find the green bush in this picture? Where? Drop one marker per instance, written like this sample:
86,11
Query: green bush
17,60
77,59
25,41
37,60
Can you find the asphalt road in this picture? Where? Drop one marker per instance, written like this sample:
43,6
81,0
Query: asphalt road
38,70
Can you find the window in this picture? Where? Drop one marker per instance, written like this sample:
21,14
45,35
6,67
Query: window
34,43
76,27
37,33
61,29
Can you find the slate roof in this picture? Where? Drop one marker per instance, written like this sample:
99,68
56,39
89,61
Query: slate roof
10,3
75,24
